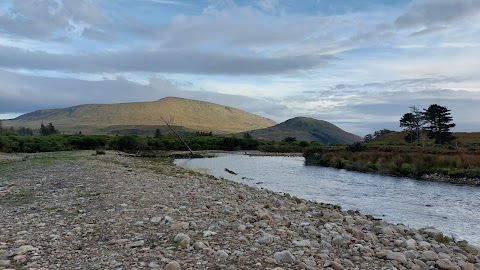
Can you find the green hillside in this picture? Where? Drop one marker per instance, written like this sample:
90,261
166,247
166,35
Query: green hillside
306,129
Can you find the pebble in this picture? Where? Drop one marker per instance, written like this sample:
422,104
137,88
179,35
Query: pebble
173,265
284,256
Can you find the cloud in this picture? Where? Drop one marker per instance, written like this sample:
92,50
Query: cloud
192,62
50,19
437,14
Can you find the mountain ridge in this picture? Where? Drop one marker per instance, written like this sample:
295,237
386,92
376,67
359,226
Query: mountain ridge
190,114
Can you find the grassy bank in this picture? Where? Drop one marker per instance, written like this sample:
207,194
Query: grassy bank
409,161
132,143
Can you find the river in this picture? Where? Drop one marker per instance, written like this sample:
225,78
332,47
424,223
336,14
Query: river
453,209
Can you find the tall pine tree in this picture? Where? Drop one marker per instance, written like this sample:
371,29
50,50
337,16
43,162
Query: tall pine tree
439,123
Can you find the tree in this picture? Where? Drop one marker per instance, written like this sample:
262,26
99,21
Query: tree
1,127
408,123
158,134
48,130
23,131
438,123
247,135
290,139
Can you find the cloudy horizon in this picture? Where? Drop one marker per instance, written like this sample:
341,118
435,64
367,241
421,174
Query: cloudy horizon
357,64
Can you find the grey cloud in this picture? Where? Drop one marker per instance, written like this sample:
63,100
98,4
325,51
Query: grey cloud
158,61
47,19
434,14
235,27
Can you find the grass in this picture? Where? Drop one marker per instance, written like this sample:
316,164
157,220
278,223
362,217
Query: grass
411,161
22,197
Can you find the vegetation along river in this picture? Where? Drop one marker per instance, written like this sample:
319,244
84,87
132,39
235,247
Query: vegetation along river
453,209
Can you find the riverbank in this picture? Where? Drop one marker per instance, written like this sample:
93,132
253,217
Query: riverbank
76,210
428,163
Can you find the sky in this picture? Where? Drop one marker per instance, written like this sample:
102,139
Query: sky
357,64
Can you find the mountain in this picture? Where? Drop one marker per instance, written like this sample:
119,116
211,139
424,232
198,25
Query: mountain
142,117
306,129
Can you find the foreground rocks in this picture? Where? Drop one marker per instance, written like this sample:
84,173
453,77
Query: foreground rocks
78,211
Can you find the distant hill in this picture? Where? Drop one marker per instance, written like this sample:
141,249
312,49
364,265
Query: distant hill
145,117
307,129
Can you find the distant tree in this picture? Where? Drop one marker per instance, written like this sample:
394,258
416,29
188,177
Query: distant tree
438,123
290,139
408,122
157,133
48,130
1,127
419,122
381,132
23,131
247,135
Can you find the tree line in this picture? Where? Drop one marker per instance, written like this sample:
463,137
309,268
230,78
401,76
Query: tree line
435,122
44,130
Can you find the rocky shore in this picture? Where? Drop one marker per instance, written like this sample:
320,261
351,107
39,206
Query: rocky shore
76,210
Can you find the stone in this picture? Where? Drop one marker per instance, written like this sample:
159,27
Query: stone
423,266
115,265
199,245
410,244
397,256
173,265
266,239
468,266
415,267
284,256
221,255
424,245
310,262
410,254
5,262
153,265
302,243
208,233
387,231
237,253
337,266
181,237
429,255
445,264
24,249
263,215
155,219
180,225
135,244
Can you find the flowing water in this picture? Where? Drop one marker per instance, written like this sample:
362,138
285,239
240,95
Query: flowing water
453,209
